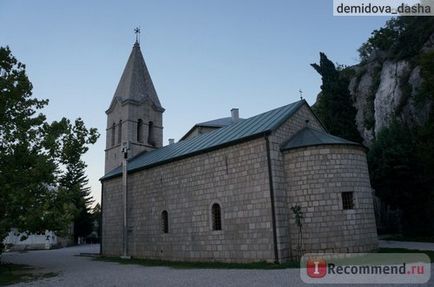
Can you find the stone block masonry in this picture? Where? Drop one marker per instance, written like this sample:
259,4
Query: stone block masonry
299,120
235,177
316,178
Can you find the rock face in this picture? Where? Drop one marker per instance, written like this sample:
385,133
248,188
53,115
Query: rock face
389,93
384,89
361,89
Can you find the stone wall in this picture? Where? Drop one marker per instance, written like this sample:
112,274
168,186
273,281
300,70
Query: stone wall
16,240
278,137
316,177
235,177
112,217
130,114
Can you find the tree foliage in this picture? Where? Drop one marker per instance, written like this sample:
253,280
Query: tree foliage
400,38
401,162
334,105
73,144
37,158
97,218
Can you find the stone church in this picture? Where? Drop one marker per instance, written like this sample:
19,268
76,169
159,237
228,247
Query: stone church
224,192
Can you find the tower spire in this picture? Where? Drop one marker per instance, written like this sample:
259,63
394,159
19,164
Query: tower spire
136,84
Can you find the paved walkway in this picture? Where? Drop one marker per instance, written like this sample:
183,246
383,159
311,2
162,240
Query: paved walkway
77,271
406,245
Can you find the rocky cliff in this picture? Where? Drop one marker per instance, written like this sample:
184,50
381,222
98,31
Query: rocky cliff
383,88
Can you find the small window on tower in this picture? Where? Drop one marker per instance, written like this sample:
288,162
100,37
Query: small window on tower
347,200
113,131
151,133
120,132
165,221
139,130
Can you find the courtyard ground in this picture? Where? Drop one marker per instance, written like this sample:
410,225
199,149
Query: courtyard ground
74,270
406,245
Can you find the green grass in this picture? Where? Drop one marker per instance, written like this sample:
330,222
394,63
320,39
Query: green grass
11,273
403,250
15,273
220,265
398,237
199,265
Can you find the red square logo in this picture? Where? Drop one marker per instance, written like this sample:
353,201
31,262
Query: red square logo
316,268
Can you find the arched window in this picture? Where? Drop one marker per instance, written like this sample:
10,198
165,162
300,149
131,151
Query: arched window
139,130
151,133
216,217
113,132
120,132
165,222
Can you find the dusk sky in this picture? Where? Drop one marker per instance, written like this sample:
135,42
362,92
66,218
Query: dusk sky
204,57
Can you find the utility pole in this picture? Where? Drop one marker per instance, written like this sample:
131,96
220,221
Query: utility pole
125,149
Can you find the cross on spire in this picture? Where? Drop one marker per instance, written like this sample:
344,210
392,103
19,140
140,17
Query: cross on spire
137,31
301,94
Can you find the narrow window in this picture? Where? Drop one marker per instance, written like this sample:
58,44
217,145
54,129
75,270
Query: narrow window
216,217
151,133
113,131
165,221
347,200
120,132
139,130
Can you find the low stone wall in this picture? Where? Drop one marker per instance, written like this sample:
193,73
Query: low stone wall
22,241
316,177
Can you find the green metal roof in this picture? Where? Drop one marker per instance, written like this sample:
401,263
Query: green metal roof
217,123
243,130
311,137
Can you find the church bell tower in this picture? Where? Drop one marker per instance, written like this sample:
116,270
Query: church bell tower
135,115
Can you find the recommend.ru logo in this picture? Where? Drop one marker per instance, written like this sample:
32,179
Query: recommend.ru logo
365,268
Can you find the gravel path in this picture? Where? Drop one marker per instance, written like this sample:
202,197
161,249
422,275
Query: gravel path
78,271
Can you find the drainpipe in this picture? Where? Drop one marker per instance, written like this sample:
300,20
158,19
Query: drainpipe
273,209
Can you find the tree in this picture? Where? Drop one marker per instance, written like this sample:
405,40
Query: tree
298,217
31,157
400,38
74,143
401,166
27,171
97,219
334,106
